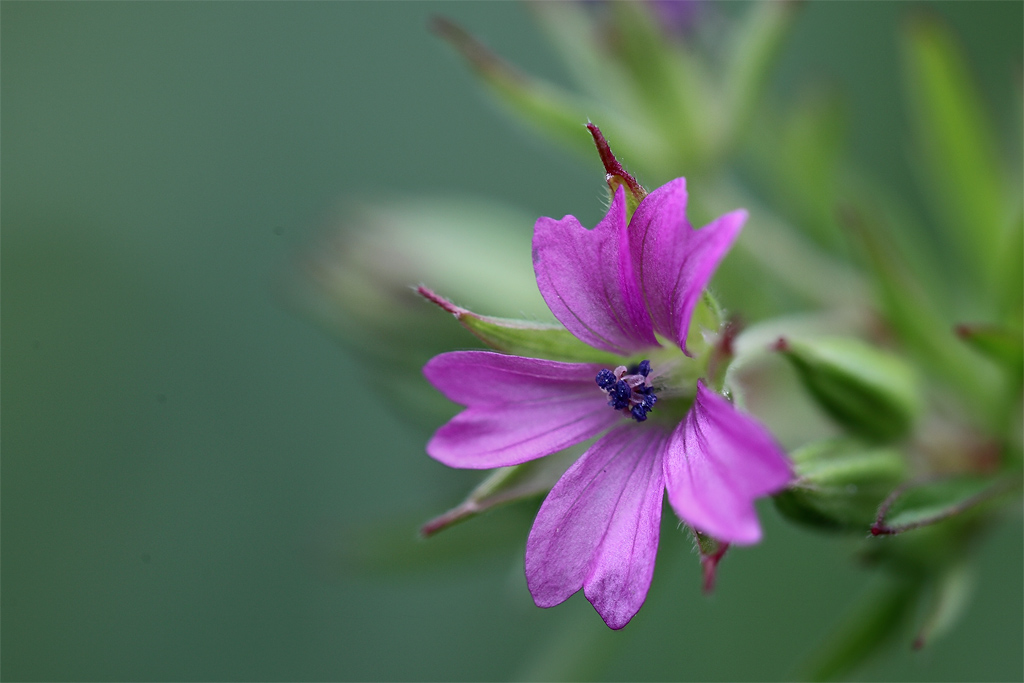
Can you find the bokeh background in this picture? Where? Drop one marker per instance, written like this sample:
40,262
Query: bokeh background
196,480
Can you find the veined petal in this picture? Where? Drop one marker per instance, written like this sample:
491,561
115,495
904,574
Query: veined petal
598,528
518,409
673,261
588,280
718,461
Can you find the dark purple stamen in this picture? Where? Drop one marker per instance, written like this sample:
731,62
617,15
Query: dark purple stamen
629,390
638,412
620,394
605,379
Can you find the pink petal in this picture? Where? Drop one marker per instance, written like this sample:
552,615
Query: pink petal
673,261
718,461
598,528
519,408
589,283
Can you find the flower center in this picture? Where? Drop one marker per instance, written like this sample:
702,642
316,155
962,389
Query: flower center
629,390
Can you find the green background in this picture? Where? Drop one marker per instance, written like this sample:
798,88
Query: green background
189,468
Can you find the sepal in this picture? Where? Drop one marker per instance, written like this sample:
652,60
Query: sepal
840,484
711,552
615,173
505,485
922,504
523,337
870,393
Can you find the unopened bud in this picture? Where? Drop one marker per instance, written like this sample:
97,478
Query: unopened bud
615,174
840,484
711,552
871,393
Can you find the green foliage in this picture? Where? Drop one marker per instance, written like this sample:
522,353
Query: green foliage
874,624
956,144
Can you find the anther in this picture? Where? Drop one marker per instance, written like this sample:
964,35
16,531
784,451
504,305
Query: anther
629,390
605,379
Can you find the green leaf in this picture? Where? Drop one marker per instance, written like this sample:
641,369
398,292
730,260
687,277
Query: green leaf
840,484
668,82
782,254
756,43
950,594
505,485
913,315
869,392
956,142
1002,345
875,623
523,337
578,39
557,114
1011,281
799,161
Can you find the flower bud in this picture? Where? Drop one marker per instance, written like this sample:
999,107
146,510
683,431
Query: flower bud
711,552
840,484
872,394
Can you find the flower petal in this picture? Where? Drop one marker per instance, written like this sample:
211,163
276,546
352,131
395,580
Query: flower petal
718,461
598,528
589,283
673,261
519,408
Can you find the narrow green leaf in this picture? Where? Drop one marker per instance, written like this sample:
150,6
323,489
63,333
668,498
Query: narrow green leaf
557,114
950,594
783,254
578,38
799,161
876,622
913,315
668,81
1011,280
1003,345
957,145
523,337
756,43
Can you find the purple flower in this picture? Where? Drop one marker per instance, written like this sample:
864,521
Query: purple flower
625,287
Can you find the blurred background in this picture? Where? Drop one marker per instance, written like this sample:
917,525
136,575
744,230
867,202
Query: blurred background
199,483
